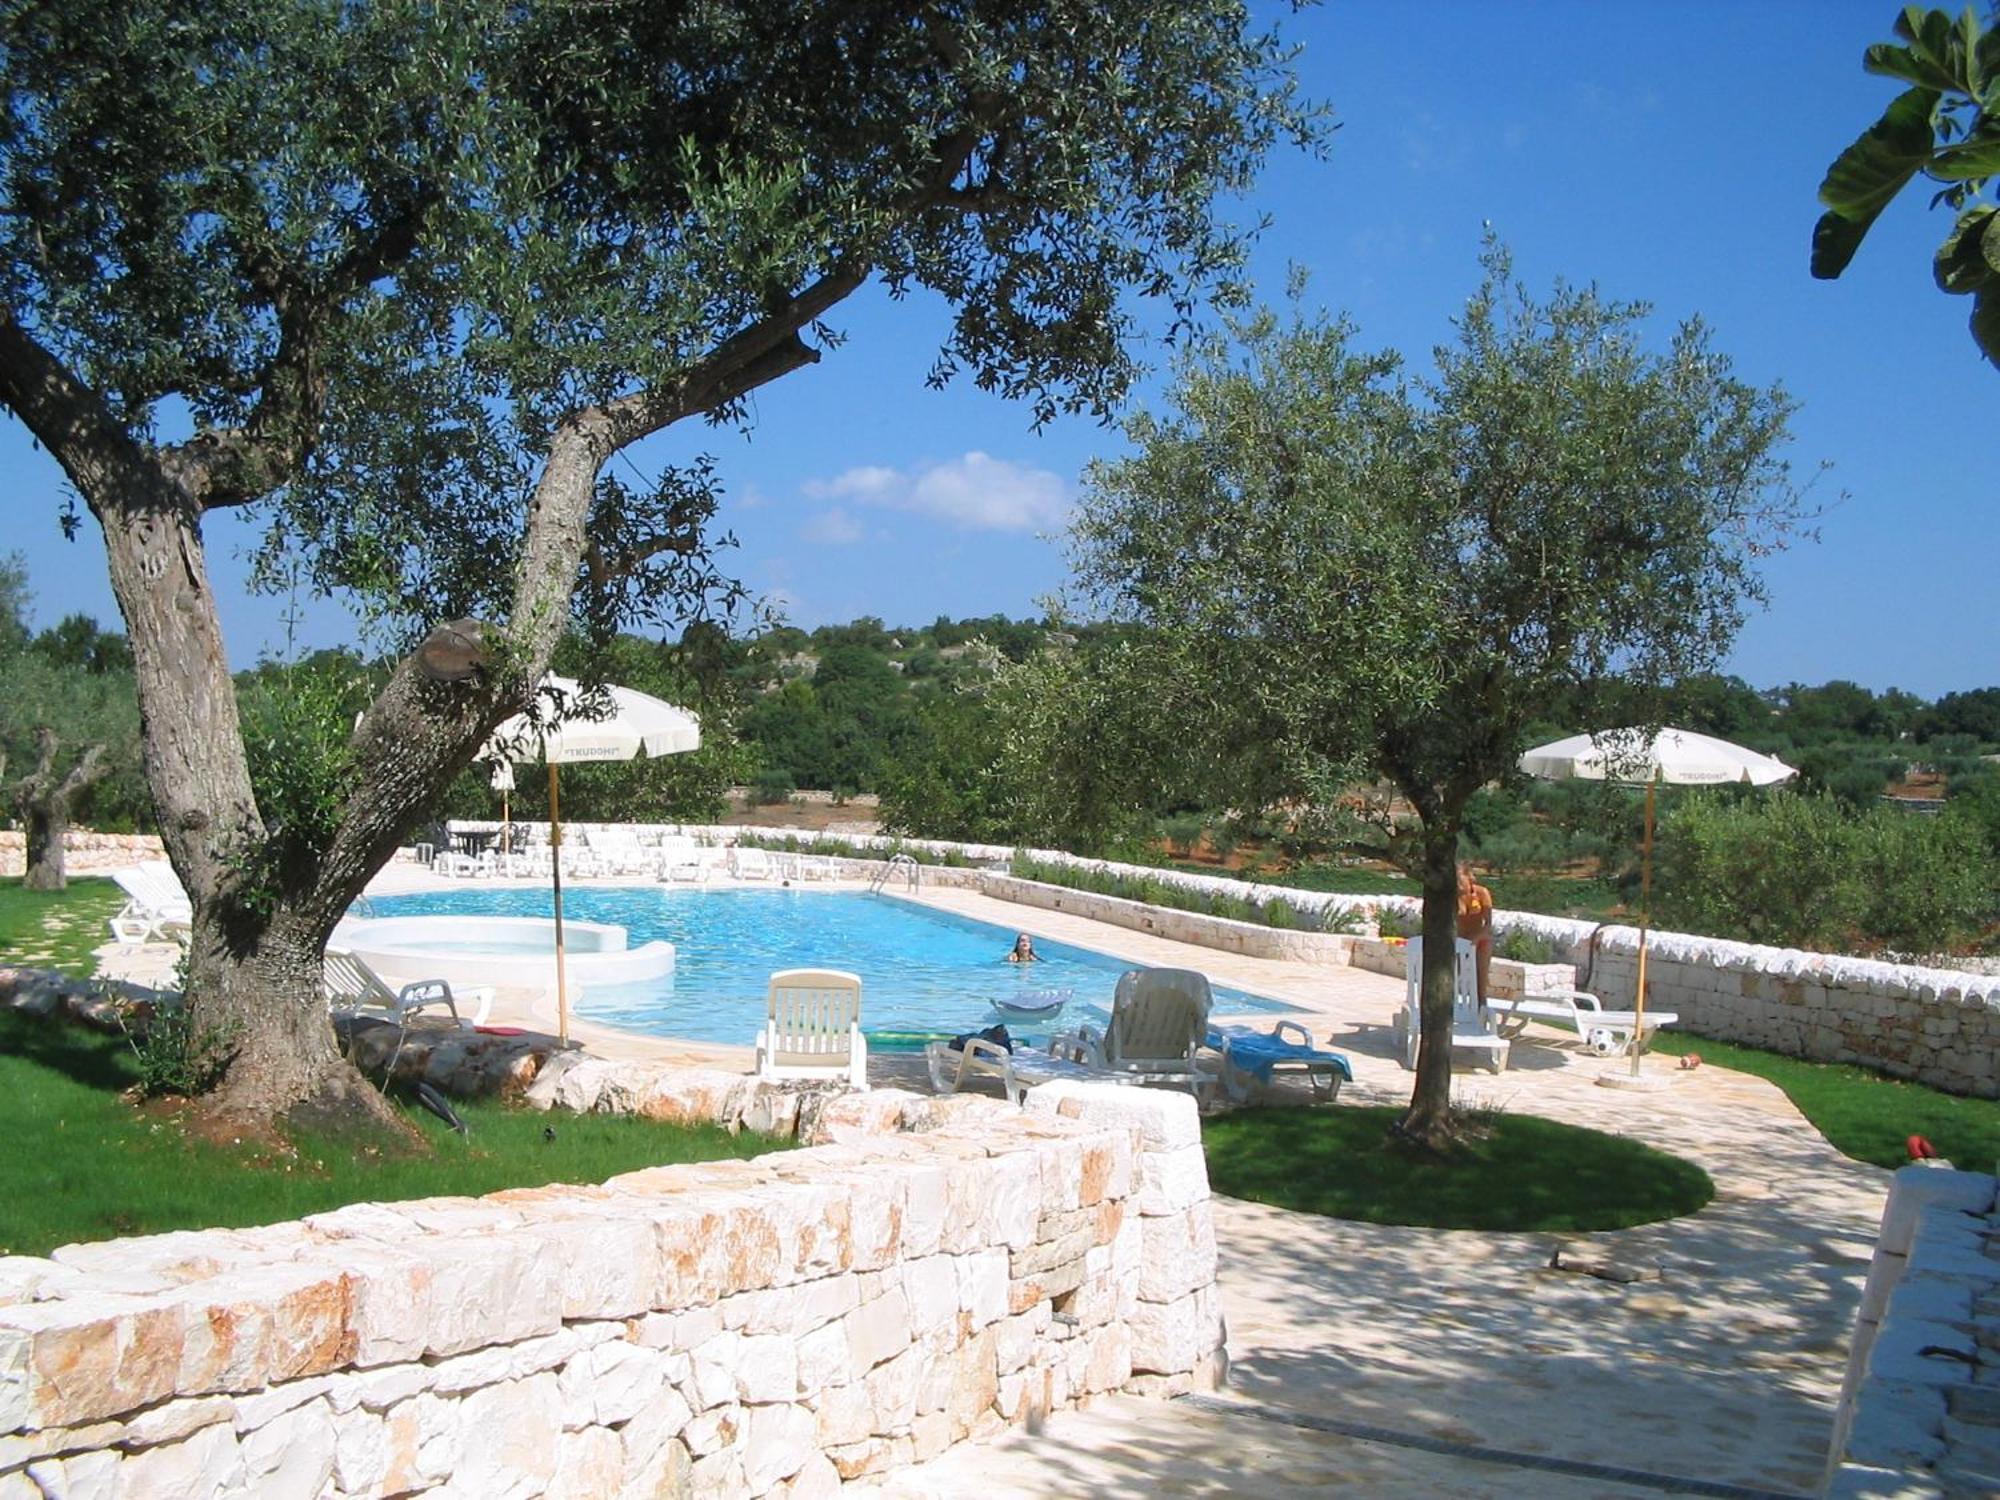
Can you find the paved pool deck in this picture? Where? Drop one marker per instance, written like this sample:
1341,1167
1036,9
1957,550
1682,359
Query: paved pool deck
1411,1362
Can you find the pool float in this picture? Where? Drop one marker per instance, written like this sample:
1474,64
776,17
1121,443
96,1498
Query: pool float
1034,1005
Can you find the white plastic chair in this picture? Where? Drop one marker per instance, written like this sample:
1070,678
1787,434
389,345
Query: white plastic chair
747,863
1472,1025
812,1028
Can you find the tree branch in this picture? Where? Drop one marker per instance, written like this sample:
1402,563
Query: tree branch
66,417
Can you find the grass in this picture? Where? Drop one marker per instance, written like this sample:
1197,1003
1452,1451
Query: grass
1528,1174
83,1163
57,929
1862,1113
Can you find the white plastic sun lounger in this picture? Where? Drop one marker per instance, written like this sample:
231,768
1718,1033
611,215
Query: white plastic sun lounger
156,909
749,863
352,986
952,1068
1608,1033
1159,1024
1472,1028
812,1028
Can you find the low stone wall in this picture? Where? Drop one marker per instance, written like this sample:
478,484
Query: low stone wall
1506,978
85,852
1919,1413
1247,938
932,1271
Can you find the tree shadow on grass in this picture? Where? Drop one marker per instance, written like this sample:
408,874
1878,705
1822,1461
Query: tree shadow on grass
93,1059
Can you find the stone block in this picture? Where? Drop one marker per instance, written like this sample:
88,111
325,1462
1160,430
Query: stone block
80,1359
200,1467
291,1454
931,1286
1895,1425
512,1431
1171,1181
1172,1337
719,1475
589,1465
1914,1189
767,1368
878,1330
1162,1121
610,1383
975,1381
926,1198
654,1470
511,1290
893,1388
1860,1482
843,1414
930,1435
1177,1255
824,1359
360,1452
714,1431
781,1438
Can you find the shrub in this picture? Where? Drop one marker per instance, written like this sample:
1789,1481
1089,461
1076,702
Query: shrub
1280,914
1393,922
1806,872
772,787
1524,948
174,1055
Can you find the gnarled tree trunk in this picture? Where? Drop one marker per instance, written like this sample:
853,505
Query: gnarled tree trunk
44,802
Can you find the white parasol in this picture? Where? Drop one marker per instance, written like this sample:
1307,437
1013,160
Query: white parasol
1678,757
624,725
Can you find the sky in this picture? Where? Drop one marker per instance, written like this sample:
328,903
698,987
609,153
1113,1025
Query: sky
1669,152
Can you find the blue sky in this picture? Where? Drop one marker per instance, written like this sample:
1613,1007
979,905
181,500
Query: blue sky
1670,152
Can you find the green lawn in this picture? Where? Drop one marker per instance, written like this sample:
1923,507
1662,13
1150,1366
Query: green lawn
1865,1115
56,929
81,1163
1528,1174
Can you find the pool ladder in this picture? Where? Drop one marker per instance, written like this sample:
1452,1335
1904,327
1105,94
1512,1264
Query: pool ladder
897,865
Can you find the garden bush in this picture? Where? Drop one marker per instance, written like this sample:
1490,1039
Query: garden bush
1807,872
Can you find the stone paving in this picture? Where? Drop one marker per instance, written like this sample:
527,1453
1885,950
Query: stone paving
1395,1361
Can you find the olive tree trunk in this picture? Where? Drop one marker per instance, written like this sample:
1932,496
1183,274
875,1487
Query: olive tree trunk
1428,1120
44,801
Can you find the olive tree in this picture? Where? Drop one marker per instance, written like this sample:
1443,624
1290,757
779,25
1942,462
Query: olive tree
1358,570
400,279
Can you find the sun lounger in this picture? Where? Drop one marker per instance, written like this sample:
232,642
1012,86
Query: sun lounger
1159,1024
1608,1033
812,1028
749,863
352,986
1472,1029
952,1068
1251,1057
156,909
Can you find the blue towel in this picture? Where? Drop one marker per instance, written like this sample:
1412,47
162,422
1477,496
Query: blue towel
1256,1052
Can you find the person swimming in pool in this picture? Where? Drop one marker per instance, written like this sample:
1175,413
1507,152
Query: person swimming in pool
1023,951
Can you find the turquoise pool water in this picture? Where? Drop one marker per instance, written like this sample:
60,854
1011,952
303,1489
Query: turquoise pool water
922,971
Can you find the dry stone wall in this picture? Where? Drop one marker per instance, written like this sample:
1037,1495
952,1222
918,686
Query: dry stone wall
930,1271
1919,1414
85,852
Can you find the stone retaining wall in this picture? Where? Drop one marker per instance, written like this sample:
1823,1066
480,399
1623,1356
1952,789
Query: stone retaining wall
932,1271
1247,938
85,852
1919,1414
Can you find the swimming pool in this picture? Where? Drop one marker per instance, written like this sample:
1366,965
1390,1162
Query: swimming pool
922,970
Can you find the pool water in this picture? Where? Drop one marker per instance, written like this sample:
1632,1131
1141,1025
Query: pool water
923,972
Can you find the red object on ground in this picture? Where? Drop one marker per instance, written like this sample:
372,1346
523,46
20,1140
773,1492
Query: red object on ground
501,1030
1920,1149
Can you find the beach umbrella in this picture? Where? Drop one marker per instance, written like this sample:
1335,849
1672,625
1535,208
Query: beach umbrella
1676,757
616,723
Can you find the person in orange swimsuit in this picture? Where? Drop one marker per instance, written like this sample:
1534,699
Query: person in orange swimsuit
1475,921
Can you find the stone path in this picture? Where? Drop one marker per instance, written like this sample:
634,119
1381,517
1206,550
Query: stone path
1412,1362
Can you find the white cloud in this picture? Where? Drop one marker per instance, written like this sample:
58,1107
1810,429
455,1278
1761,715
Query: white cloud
833,528
976,492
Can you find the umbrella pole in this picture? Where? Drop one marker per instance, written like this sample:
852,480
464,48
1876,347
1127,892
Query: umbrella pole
555,869
504,850
1645,912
